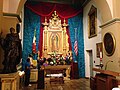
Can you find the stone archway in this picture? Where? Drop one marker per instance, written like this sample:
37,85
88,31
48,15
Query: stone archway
104,9
101,4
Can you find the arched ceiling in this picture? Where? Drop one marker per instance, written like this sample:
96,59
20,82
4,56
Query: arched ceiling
74,3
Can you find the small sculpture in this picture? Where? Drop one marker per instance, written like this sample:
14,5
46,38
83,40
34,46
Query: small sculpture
12,51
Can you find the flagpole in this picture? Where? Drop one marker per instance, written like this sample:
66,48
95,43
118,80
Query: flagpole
75,33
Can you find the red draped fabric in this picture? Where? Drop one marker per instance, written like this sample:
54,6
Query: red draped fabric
46,9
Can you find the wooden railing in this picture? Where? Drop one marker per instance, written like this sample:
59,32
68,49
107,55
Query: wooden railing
104,80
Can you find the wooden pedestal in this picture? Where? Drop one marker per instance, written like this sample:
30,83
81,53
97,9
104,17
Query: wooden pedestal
75,73
9,81
34,75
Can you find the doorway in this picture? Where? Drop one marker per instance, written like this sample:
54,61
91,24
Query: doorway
90,58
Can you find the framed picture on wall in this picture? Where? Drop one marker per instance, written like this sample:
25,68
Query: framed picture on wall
92,17
98,49
109,43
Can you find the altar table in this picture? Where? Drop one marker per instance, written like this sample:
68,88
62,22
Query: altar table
64,67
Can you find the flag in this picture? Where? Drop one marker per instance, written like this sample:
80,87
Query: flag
34,42
76,47
76,43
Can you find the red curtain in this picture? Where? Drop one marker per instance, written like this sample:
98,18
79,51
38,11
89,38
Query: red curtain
46,9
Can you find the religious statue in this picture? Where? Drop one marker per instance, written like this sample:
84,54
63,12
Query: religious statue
12,51
55,43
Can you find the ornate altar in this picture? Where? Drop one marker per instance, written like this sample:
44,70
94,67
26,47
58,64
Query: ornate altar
55,38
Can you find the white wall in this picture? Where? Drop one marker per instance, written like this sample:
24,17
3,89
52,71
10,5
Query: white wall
5,5
90,44
110,3
10,6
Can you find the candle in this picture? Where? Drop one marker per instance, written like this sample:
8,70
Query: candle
100,54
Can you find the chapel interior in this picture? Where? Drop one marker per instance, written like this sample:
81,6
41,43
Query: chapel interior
74,44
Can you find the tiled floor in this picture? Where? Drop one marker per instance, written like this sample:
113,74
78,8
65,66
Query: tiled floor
75,84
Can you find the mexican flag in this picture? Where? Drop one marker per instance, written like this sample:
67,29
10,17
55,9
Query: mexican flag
34,42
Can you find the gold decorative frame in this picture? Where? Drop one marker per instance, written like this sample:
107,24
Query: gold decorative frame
99,48
54,27
109,44
92,15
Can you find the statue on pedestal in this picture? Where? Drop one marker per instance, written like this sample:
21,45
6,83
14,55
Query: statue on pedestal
12,51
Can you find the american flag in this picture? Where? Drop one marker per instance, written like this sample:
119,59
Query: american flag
76,43
76,47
